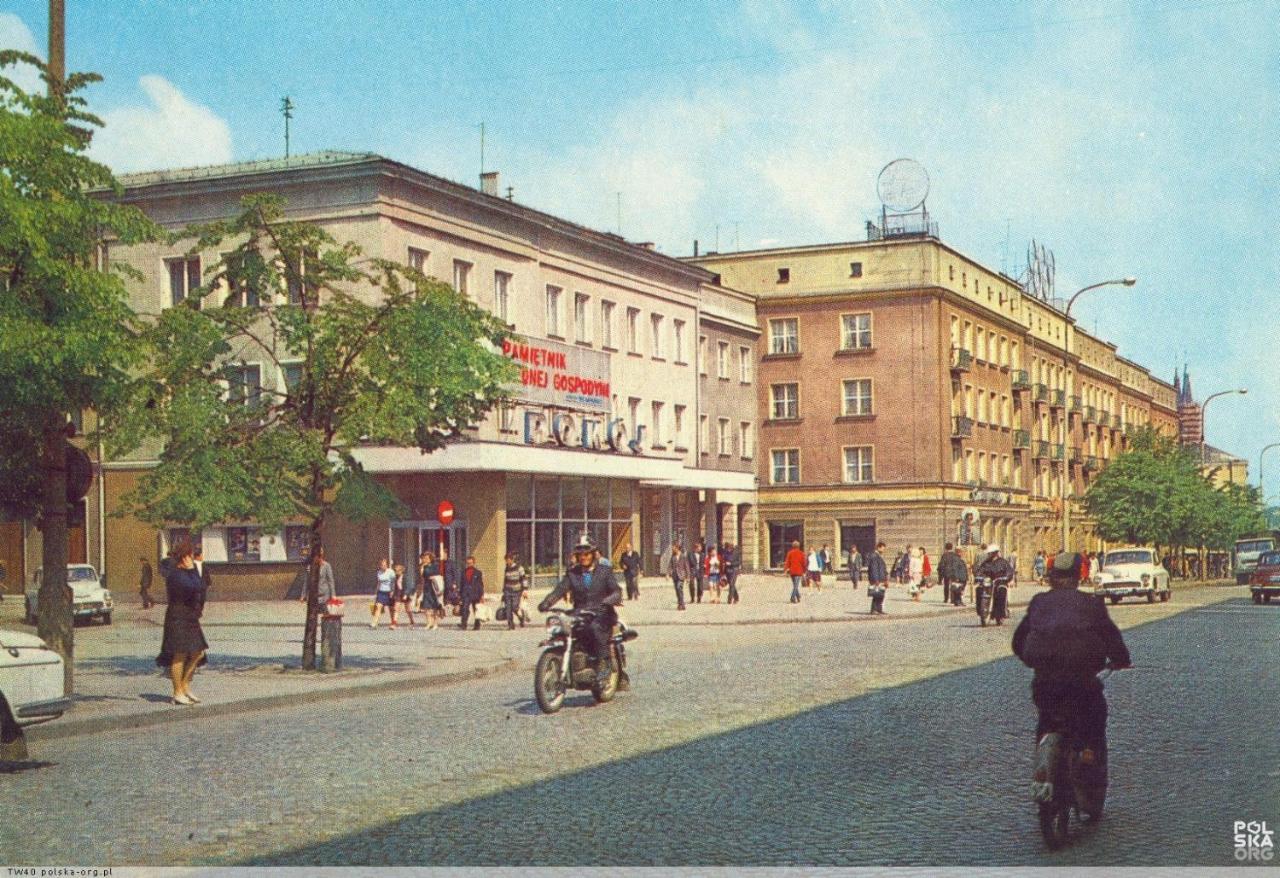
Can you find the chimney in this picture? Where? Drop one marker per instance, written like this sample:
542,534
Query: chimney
695,247
645,245
489,183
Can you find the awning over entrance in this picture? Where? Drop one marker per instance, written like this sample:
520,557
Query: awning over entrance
501,457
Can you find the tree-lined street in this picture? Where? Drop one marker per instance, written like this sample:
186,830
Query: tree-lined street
893,741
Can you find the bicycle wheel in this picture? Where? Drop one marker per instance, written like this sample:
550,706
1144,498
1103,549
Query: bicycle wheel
1055,822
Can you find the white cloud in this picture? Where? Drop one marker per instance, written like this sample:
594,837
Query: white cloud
171,131
14,34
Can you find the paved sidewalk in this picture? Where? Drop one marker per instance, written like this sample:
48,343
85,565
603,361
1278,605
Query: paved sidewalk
256,647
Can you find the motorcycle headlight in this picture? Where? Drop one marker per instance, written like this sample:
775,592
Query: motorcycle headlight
554,625
1097,580
1146,578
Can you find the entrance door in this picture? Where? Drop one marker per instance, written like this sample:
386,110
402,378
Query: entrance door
781,535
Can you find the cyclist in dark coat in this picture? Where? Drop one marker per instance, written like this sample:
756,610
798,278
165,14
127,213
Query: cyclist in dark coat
1068,637
590,586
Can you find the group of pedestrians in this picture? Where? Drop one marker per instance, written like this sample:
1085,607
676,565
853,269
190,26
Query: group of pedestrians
440,586
703,570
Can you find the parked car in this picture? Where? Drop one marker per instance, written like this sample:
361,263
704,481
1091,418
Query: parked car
90,598
1132,571
31,688
1264,582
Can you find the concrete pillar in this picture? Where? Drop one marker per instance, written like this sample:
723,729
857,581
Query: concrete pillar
712,535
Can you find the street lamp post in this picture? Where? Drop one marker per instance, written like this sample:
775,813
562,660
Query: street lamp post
1205,407
1264,450
1068,490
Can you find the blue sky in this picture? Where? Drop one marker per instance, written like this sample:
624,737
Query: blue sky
1132,138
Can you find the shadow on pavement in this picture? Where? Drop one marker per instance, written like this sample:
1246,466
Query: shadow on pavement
222,663
9,767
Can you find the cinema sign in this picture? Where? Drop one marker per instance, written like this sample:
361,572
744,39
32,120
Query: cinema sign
568,388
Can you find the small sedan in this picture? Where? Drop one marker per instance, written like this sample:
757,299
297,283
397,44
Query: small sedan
90,599
1264,583
1132,572
31,688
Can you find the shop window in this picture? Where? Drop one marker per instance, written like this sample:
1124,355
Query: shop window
244,544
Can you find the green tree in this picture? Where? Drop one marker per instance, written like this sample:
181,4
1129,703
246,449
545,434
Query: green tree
68,339
378,354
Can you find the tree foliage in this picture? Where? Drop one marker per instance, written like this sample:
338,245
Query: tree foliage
372,351
1156,494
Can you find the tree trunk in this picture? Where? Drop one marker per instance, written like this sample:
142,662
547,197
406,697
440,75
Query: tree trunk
53,601
313,602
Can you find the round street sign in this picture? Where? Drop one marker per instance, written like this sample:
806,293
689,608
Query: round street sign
444,512
79,473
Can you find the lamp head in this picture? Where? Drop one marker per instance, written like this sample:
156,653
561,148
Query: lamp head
1129,281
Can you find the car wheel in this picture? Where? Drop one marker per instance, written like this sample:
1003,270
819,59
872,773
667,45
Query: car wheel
13,742
1151,596
1115,599
106,618
1165,595
1257,597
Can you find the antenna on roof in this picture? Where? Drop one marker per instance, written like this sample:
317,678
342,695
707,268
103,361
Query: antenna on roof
481,149
286,110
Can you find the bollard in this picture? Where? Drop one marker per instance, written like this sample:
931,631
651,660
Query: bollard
330,643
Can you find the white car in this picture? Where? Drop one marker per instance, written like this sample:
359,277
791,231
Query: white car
1132,571
90,599
31,684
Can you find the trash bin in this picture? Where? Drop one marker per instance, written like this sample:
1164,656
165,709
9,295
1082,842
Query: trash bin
331,637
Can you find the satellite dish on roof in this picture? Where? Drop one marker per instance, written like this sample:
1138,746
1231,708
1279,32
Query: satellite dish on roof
903,185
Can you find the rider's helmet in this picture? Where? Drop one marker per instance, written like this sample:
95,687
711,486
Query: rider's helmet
993,550
585,544
1065,569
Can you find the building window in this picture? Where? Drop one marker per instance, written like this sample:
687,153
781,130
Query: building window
655,335
857,396
418,259
656,426
581,322
702,355
606,324
244,544
678,429
501,295
744,438
244,384
461,272
506,417
553,311
240,293
677,342
633,330
704,434
784,275
786,466
744,364
633,405
291,373
722,360
724,438
294,283
784,402
858,464
855,332
184,280
855,269
784,336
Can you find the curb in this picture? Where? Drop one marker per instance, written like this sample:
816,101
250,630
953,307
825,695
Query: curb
73,728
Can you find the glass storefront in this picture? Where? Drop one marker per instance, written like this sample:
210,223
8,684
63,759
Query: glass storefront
781,535
546,515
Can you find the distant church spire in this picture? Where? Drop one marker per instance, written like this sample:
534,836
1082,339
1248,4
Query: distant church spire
1177,386
1186,385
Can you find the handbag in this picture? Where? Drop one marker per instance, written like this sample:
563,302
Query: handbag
874,591
500,615
483,612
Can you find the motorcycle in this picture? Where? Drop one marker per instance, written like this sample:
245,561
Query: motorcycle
991,599
1062,782
564,663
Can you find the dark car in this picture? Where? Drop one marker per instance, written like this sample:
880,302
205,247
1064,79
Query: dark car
1264,582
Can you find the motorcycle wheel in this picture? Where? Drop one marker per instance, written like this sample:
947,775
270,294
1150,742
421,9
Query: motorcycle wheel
604,692
1055,822
547,688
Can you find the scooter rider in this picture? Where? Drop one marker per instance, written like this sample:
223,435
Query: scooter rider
994,567
1067,636
590,586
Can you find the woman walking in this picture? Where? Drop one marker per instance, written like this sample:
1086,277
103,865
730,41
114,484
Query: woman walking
183,648
513,586
384,596
915,572
815,569
795,564
711,568
402,596
430,589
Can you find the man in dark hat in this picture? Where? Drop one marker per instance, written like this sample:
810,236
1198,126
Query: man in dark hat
590,586
1067,637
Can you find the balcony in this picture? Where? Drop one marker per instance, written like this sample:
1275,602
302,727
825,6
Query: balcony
1077,455
1058,451
1074,404
961,427
1104,419
1021,439
1040,393
961,360
1021,380
1057,399
1091,464
1040,449
1090,415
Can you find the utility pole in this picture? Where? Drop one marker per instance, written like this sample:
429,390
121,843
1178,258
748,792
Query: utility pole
286,110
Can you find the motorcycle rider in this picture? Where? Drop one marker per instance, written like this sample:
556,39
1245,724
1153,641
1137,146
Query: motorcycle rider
994,566
1067,637
590,586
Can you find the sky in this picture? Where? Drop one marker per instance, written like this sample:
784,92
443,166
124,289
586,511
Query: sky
1133,139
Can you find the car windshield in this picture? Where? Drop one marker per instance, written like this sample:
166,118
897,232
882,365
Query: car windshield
1127,558
81,574
1269,559
1254,545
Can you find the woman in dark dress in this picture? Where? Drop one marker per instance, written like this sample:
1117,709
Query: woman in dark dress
183,647
429,589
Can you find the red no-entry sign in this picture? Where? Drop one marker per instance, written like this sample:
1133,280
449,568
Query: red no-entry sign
444,512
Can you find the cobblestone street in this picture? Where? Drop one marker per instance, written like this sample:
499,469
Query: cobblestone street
895,742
